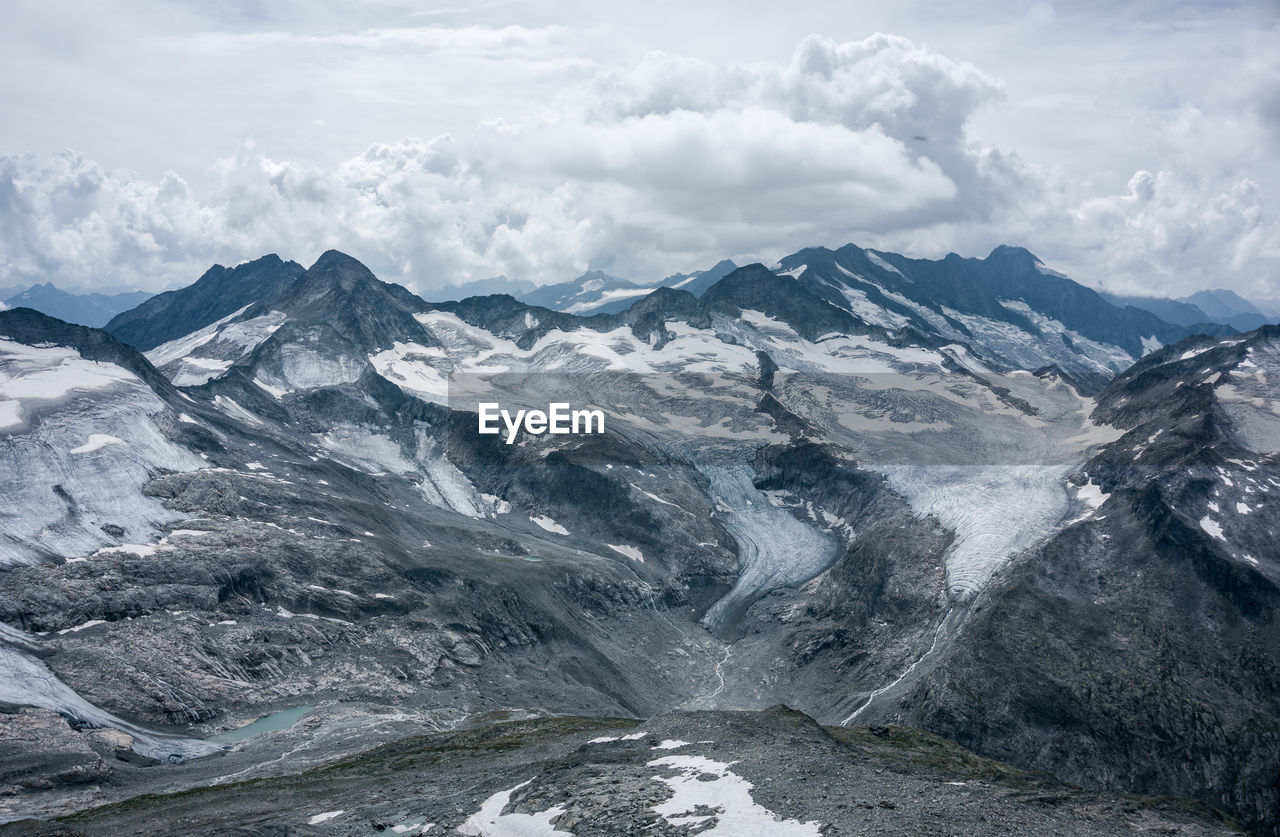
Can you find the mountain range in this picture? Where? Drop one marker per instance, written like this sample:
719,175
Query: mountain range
1219,306
91,309
1006,545
594,292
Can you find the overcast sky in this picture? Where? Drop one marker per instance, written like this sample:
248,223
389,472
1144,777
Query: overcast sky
1133,146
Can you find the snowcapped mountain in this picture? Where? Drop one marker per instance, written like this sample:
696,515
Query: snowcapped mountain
83,416
596,292
593,292
1161,597
699,281
1008,306
870,487
219,293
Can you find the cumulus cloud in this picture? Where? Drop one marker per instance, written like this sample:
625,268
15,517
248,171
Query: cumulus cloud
669,163
1167,230
615,173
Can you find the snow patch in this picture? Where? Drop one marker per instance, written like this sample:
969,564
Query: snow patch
1092,495
182,346
96,442
1212,527
421,370
48,373
882,264
10,415
231,408
726,794
629,551
605,739
489,821
276,392
606,298
1195,352
194,371
77,628
548,524
870,312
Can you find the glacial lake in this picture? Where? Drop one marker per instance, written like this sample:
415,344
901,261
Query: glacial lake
267,723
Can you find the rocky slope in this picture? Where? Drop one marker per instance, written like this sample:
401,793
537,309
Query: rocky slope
1143,638
775,772
594,292
219,293
868,504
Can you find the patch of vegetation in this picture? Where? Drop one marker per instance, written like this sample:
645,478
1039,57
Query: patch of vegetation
405,755
910,750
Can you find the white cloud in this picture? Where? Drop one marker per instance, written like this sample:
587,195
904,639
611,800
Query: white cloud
801,151
1167,230
504,42
644,167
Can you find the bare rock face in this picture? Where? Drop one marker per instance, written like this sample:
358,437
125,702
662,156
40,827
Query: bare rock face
1143,638
880,490
773,772
42,751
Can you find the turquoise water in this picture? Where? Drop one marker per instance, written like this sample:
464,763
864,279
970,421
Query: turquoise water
267,723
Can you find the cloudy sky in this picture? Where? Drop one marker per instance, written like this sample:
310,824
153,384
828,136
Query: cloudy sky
1134,146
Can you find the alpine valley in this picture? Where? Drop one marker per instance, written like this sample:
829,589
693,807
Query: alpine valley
870,545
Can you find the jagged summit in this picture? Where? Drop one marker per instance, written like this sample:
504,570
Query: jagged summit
593,292
338,292
873,488
219,293
1007,306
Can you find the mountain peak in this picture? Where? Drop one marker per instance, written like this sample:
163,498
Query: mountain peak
218,292
1008,252
1220,302
341,293
596,273
337,260
263,261
89,309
